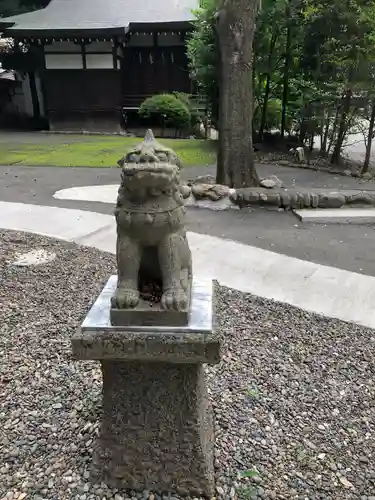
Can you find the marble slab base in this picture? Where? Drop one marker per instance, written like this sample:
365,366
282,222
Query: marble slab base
196,342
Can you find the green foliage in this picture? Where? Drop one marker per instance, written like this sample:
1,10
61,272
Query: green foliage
249,473
316,55
203,55
183,97
166,110
253,392
248,493
195,114
272,118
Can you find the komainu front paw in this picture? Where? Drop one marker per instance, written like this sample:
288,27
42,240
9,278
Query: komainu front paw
174,299
125,298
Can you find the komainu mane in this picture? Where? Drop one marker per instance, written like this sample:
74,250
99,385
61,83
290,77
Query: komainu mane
151,236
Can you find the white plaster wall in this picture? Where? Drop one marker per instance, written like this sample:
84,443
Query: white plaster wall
64,61
99,61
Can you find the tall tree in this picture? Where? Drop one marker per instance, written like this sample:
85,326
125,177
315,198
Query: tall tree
203,57
235,29
287,63
314,81
340,32
267,59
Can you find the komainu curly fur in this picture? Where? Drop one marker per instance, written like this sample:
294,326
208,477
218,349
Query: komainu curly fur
151,236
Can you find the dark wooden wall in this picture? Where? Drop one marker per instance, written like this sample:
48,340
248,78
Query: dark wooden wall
83,100
153,70
82,90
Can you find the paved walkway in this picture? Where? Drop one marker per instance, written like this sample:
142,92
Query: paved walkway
62,176
338,246
328,270
322,289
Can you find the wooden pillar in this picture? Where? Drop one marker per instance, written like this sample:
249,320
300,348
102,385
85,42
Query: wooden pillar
34,94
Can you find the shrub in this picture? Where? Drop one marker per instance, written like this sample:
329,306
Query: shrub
196,116
167,110
185,98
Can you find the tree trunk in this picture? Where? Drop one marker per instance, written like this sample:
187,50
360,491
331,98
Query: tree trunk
366,163
235,28
215,110
288,47
264,107
336,155
334,129
324,137
268,88
303,132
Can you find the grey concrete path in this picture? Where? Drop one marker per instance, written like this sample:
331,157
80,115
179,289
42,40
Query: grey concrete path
337,245
322,289
47,179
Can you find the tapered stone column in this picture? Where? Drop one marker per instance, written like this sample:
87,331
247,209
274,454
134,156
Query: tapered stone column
156,431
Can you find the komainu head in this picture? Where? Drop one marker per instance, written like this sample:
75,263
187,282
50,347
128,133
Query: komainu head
150,169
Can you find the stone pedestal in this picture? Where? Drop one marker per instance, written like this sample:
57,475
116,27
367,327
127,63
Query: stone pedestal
156,430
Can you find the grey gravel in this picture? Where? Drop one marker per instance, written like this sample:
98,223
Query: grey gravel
293,397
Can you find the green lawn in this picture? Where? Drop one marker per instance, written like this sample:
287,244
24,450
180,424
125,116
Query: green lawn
97,152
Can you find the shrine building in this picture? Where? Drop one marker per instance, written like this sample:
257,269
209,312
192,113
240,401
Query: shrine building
89,63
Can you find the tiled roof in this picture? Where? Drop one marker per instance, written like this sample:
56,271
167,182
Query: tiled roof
101,14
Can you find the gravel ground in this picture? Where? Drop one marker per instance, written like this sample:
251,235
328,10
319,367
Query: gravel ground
293,396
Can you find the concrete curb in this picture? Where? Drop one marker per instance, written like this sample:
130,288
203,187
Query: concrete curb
344,215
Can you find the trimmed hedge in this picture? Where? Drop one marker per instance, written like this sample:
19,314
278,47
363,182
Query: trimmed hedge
167,110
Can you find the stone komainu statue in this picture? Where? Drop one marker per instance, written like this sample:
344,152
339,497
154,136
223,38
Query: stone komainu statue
151,237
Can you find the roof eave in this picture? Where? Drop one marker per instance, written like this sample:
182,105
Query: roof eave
61,33
10,29
4,25
163,25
